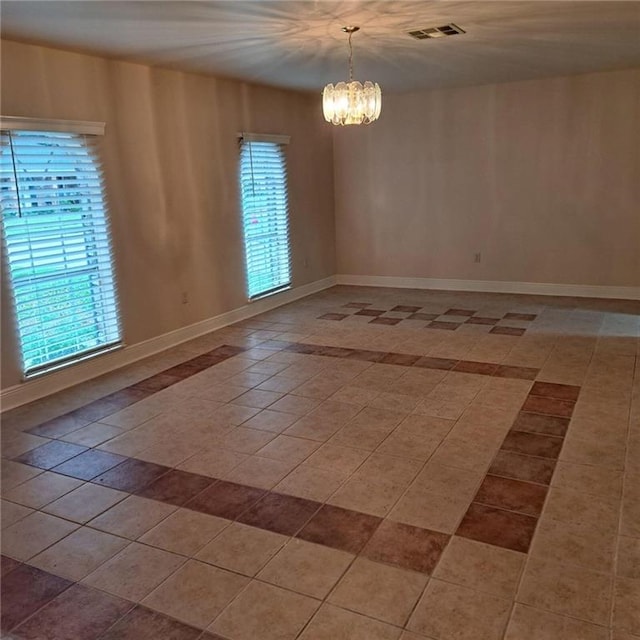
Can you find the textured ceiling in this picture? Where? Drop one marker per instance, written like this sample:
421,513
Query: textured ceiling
299,44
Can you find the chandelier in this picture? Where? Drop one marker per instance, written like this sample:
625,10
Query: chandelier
351,102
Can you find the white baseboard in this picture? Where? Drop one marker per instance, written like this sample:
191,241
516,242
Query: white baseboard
495,286
92,368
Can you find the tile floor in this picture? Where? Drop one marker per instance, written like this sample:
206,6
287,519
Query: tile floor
361,464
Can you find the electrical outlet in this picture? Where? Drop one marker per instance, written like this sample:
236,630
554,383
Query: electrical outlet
185,297
477,257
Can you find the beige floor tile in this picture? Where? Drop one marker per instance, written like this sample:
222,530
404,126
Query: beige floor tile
430,511
628,558
381,467
574,543
42,489
196,593
295,404
213,462
266,612
466,454
242,548
527,623
338,458
630,525
379,591
566,589
80,553
14,473
409,444
448,481
16,443
593,452
12,513
134,572
243,440
260,472
132,517
481,566
362,495
597,481
274,421
85,502
626,612
311,483
288,449
576,507
33,534
93,434
450,611
306,568
184,532
334,623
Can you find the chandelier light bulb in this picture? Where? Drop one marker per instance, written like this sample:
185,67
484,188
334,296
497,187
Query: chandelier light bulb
351,102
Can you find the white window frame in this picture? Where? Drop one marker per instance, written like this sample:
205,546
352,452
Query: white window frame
281,220
104,267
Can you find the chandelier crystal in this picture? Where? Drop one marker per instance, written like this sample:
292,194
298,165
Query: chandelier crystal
351,102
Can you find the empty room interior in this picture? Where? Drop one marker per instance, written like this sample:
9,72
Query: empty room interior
320,320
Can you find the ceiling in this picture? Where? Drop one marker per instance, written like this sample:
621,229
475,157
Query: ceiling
298,43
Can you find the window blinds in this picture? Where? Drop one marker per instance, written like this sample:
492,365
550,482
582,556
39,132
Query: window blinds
58,246
265,215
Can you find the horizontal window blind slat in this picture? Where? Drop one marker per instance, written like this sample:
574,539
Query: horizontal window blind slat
58,244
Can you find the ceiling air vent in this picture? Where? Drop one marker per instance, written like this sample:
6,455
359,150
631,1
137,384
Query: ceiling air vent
436,32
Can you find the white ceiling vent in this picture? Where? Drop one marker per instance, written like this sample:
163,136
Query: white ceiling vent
436,32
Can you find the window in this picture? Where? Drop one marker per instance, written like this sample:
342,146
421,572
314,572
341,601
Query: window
57,243
265,216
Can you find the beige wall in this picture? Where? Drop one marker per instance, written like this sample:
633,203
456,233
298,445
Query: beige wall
171,156
541,177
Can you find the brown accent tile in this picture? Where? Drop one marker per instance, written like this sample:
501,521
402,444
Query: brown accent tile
228,351
369,312
548,406
225,499
538,423
51,454
131,475
558,391
387,321
423,316
176,487
427,362
403,359
532,444
513,495
508,331
24,591
59,426
528,317
334,352
333,316
280,513
404,308
480,320
468,366
357,305
520,373
509,464
459,312
78,613
155,383
8,564
447,326
406,546
186,369
366,355
498,527
142,624
340,528
89,464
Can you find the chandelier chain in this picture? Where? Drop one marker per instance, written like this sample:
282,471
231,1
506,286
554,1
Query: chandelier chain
350,57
